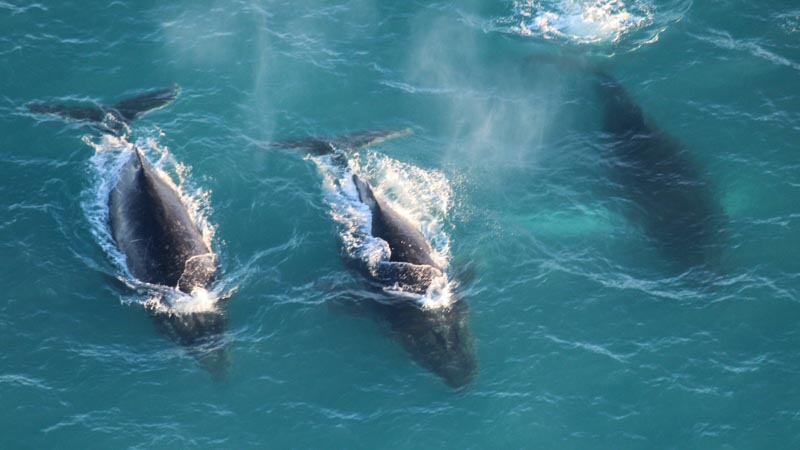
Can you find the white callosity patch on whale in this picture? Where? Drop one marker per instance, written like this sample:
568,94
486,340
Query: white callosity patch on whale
422,197
111,154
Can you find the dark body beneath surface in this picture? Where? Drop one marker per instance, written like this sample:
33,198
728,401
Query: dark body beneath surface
667,192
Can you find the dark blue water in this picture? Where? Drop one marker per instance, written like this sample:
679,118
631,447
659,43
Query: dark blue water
590,328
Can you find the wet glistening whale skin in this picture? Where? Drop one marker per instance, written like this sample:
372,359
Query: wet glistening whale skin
153,228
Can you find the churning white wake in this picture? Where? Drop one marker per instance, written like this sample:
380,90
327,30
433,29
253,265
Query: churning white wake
111,154
595,21
422,196
582,21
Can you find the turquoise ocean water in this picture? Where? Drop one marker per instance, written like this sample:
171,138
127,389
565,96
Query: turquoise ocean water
587,334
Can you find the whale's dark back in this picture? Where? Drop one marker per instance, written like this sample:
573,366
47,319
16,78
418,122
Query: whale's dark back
153,228
406,242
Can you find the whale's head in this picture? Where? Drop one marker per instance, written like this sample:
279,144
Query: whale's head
438,339
201,333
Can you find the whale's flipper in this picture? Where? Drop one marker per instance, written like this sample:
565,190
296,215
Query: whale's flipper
132,108
348,142
88,112
123,111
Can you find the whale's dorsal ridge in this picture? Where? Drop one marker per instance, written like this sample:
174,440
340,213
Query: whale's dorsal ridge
365,193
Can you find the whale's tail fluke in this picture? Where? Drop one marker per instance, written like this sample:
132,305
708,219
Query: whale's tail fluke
83,113
348,142
114,116
131,108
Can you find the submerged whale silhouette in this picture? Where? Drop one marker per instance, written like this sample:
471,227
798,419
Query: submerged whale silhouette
152,226
437,338
671,198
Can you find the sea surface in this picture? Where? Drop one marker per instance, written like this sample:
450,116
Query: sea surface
588,335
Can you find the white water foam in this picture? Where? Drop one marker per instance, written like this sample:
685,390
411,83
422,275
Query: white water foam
111,154
582,21
422,197
594,21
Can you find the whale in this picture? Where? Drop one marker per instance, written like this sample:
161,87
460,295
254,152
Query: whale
437,338
667,192
152,226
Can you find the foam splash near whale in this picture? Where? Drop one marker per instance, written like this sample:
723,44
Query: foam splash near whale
422,197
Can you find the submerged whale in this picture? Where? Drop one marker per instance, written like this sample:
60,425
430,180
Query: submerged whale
669,194
437,338
150,223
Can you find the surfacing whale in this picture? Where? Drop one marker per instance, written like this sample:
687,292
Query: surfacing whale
152,226
437,338
410,266
671,198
